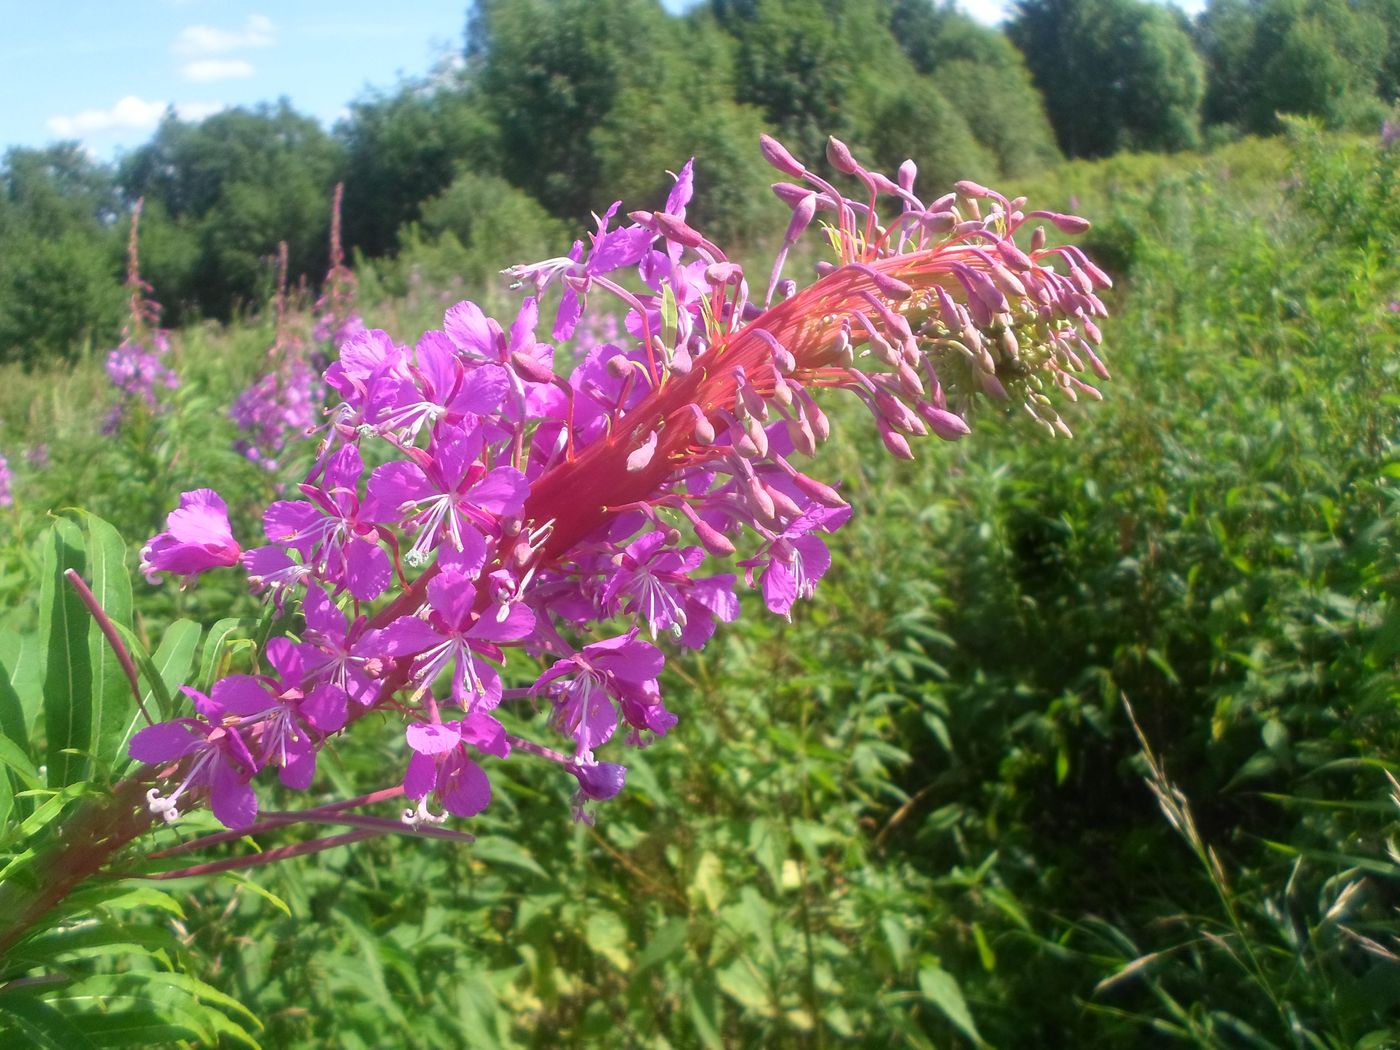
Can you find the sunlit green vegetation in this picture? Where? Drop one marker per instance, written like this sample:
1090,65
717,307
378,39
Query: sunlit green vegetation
920,813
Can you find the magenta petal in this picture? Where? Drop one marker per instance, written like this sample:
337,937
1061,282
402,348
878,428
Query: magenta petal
503,491
779,588
300,768
482,391
390,487
323,616
231,799
455,453
470,560
522,329
469,329
570,310
165,741
326,707
407,636
285,658
429,738
202,517
452,596
466,791
633,661
517,622
367,569
287,522
600,782
243,695
485,733
421,776
680,193
437,359
343,471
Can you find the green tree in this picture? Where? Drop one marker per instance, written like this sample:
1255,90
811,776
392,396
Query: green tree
550,73
1329,59
60,281
814,68
237,184
403,147
1116,74
985,79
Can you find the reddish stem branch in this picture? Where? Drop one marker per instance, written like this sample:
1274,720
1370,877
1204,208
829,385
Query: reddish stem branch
109,631
271,856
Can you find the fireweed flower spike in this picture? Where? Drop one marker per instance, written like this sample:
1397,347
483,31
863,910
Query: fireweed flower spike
135,368
529,502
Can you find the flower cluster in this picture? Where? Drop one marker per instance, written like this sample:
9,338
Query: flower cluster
284,403
488,522
7,496
136,367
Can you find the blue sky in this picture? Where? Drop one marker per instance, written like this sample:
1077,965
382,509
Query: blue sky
103,71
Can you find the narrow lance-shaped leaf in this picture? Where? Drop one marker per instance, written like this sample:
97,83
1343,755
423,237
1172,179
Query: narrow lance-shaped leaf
22,654
214,651
63,633
113,706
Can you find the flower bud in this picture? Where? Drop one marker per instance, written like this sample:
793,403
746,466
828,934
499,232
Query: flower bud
838,155
774,153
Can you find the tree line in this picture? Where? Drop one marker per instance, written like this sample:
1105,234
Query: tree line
557,107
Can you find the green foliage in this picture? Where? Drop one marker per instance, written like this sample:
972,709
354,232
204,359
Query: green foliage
236,184
1116,74
60,285
102,965
916,815
403,148
985,79
1322,58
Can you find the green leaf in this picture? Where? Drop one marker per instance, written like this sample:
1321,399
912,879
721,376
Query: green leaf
45,1026
493,849
941,988
13,723
668,942
704,1015
7,799
20,653
897,937
707,887
213,651
768,844
113,706
607,936
13,758
171,662
136,1027
261,891
63,632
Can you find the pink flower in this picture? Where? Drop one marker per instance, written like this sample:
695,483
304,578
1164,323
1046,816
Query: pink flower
197,538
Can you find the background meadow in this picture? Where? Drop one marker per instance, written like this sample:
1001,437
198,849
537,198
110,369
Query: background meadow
1082,743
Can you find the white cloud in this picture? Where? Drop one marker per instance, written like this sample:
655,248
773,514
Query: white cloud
194,112
204,70
193,41
129,113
